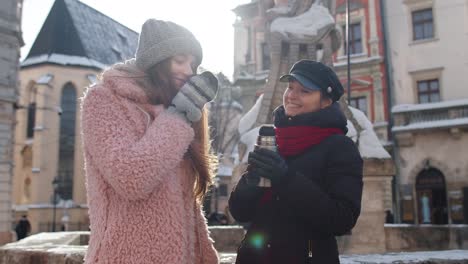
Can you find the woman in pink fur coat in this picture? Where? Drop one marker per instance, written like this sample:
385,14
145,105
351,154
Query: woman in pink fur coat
146,153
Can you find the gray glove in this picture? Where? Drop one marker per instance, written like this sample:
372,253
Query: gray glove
199,90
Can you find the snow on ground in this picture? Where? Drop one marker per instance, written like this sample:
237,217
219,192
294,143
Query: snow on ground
306,24
405,257
388,258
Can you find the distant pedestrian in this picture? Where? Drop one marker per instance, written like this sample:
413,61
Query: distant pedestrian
23,227
316,177
146,145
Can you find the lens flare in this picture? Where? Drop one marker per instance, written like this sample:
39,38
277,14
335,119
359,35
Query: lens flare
257,240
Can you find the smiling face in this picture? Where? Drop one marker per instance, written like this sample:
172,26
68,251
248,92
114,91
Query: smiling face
299,100
181,67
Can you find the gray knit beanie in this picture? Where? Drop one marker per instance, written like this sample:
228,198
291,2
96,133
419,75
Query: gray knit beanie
160,40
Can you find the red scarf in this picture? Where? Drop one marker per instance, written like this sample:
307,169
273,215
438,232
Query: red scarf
296,139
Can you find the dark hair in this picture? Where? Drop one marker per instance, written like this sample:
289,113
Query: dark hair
202,161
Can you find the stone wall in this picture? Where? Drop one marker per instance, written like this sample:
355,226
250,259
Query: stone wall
70,248
368,236
425,237
10,42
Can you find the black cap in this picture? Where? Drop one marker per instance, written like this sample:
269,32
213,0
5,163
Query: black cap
315,75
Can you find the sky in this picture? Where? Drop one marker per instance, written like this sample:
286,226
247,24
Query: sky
211,21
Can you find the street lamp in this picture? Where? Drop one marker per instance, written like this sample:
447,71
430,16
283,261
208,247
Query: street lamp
55,184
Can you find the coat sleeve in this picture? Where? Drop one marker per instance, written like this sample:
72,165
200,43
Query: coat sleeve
335,210
244,200
133,165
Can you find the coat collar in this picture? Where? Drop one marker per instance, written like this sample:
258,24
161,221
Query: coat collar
126,80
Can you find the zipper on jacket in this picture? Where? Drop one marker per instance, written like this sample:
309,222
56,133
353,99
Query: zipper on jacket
309,253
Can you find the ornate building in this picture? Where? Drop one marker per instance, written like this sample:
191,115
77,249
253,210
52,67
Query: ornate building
427,42
10,43
74,45
369,89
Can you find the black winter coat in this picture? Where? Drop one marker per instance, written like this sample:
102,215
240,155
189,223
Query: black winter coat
321,199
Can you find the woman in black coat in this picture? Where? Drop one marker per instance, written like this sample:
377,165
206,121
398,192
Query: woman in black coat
316,177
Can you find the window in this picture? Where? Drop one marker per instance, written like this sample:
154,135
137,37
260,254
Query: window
248,55
423,24
428,91
266,61
31,120
355,39
67,142
359,103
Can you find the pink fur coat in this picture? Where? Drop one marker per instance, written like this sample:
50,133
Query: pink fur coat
139,183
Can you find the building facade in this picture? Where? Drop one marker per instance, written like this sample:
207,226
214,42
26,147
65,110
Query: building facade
369,89
251,51
429,65
10,43
75,43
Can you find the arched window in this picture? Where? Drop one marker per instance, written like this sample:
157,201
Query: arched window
31,120
67,142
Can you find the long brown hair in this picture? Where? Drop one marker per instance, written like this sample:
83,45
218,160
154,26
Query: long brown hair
203,162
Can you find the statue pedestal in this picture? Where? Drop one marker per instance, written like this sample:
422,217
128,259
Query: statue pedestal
368,236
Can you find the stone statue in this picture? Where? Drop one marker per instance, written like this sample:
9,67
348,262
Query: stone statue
306,20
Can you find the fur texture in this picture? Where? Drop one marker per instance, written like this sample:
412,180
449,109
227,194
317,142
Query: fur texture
139,182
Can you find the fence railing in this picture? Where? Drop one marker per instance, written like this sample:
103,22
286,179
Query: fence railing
427,115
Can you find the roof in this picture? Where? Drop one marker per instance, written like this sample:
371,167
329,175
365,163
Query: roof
80,35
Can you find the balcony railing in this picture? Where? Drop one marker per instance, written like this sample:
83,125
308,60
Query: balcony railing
446,114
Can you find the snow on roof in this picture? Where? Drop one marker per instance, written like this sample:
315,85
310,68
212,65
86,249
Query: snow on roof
92,78
248,120
258,76
432,124
232,103
369,144
63,60
306,24
405,257
429,106
45,79
280,9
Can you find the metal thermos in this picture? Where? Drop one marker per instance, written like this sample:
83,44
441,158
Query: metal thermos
266,139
